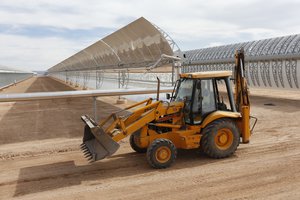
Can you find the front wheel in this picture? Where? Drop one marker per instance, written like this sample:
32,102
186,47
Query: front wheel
134,143
220,138
161,153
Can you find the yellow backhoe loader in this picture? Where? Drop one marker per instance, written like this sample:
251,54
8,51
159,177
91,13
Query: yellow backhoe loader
195,116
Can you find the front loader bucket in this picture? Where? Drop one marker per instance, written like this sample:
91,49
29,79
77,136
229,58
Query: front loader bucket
96,143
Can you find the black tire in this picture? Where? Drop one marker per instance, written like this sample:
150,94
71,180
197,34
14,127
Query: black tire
161,153
134,144
216,147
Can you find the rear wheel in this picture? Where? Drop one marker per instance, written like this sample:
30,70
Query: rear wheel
220,138
135,144
161,153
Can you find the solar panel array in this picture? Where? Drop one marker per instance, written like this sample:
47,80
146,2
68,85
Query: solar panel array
137,45
269,63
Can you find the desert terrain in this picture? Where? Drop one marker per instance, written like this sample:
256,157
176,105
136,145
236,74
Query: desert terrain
40,156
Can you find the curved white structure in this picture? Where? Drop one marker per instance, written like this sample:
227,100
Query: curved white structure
137,45
270,63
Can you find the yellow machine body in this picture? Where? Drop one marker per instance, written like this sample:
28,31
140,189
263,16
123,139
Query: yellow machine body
167,120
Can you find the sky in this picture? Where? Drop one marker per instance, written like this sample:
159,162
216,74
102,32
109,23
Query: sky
37,34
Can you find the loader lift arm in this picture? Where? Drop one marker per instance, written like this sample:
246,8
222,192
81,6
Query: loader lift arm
100,140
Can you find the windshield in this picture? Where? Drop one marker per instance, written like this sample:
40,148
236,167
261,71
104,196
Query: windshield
185,90
203,101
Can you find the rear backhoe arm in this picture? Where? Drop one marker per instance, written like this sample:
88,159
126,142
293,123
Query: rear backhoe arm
242,95
241,90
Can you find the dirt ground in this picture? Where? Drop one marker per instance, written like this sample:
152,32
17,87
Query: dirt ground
40,156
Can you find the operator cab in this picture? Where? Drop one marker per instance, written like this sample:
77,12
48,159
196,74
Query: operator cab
200,94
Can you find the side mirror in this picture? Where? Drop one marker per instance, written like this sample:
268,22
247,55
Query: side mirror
168,96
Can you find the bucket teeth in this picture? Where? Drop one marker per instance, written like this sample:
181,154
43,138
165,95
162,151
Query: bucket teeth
85,150
91,159
87,153
87,156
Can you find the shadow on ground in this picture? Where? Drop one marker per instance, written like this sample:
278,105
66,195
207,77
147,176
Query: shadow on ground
46,119
65,174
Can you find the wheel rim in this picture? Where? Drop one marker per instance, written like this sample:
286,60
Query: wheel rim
224,138
163,154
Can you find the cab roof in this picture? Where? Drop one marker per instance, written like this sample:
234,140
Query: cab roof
207,74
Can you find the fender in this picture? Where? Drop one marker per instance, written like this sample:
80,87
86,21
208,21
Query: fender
219,114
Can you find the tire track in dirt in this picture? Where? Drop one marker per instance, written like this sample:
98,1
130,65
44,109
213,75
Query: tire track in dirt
267,168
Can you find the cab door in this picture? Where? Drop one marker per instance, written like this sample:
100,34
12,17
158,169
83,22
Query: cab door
199,98
204,100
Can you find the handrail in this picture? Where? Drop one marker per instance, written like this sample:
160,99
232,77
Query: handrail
11,97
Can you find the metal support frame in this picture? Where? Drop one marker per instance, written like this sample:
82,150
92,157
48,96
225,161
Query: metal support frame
95,108
77,79
86,79
123,78
99,76
67,77
172,43
71,77
175,48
